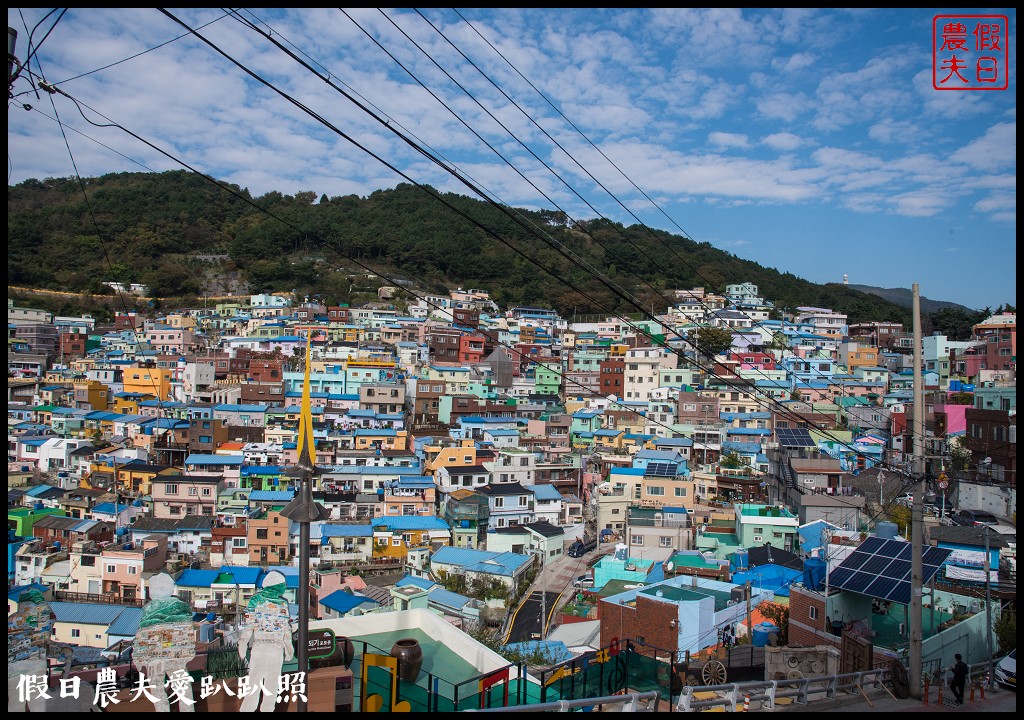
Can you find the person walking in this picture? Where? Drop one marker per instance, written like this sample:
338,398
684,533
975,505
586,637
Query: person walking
960,673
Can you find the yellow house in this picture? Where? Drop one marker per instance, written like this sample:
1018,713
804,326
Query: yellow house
369,439
449,456
92,393
128,403
181,322
148,380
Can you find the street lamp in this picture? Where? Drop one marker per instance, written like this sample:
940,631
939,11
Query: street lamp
303,510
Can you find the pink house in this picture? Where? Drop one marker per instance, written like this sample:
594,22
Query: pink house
122,567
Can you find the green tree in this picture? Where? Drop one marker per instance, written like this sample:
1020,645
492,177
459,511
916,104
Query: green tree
1006,630
713,340
778,614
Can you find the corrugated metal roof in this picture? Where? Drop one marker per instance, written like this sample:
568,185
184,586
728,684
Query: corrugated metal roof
87,613
127,623
448,599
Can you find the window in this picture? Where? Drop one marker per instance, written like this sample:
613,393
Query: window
171,489
665,541
499,502
238,542
111,568
522,501
132,570
396,542
261,533
657,490
813,612
193,490
758,531
206,491
76,633
636,539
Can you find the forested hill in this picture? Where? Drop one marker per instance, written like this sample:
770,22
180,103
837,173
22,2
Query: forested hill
181,235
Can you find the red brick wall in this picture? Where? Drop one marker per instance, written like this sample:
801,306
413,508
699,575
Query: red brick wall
650,620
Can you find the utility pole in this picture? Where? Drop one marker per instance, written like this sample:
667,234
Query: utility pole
12,59
543,593
750,630
917,514
988,601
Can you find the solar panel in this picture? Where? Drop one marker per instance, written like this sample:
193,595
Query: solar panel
794,437
662,469
876,565
881,568
856,560
859,582
839,576
871,545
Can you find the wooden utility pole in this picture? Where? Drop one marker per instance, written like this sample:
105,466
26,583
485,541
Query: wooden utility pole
917,515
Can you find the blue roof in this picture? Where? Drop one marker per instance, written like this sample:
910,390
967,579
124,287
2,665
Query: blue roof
748,431
741,447
196,578
460,556
88,613
546,492
416,481
109,507
271,495
197,459
38,490
419,582
506,563
291,575
261,470
15,593
626,471
241,574
411,522
447,598
242,408
341,601
127,623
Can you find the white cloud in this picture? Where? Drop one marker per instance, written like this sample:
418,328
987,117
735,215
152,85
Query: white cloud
782,141
995,150
728,140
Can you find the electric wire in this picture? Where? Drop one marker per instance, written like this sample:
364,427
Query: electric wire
445,166
655,235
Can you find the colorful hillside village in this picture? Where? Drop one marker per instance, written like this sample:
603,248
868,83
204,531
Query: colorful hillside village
519,494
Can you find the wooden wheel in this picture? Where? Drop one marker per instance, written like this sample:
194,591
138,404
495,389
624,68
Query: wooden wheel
713,673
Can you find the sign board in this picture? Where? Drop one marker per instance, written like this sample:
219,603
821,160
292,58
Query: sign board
321,643
943,481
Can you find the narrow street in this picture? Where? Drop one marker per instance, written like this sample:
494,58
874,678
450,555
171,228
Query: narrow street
556,581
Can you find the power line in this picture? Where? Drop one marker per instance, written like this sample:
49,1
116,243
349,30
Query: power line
451,171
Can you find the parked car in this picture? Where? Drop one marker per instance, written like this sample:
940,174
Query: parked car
941,507
1006,670
586,580
975,517
581,547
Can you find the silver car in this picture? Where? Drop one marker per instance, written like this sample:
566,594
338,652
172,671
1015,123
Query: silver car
1006,670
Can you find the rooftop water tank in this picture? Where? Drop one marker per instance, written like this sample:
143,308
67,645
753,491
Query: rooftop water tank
741,559
886,530
762,634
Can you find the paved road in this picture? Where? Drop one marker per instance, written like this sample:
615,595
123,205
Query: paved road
556,580
526,620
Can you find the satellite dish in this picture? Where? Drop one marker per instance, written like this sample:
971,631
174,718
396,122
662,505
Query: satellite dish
670,566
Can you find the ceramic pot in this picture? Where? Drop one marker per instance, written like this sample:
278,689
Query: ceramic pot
410,656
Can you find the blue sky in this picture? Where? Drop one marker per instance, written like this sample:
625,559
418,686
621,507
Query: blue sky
807,140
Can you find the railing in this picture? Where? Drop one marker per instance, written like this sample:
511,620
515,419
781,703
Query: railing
633,702
103,598
767,693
